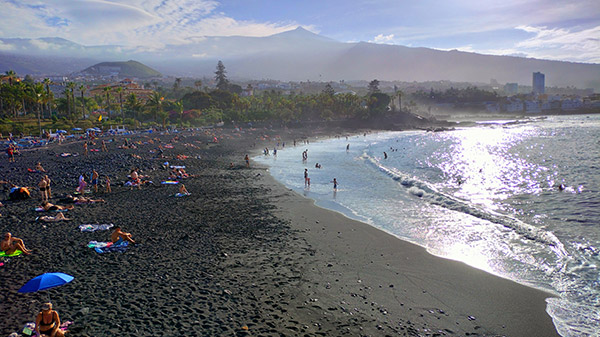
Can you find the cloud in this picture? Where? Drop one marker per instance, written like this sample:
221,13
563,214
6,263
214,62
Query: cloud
384,39
149,23
561,43
6,46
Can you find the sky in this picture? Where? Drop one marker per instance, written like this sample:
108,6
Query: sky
564,30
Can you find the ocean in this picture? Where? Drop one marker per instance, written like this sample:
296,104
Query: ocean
518,199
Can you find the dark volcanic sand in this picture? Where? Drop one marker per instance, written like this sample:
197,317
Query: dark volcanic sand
230,259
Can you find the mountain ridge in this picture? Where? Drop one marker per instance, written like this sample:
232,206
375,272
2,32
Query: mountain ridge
300,54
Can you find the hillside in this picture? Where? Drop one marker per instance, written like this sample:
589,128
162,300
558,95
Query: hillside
122,69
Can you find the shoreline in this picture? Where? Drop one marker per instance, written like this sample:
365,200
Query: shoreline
242,255
449,294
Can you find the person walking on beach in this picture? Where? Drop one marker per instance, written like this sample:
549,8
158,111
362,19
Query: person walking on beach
85,148
11,244
247,159
107,182
47,322
104,149
95,176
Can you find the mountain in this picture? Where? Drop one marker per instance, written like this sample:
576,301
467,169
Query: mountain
122,69
297,55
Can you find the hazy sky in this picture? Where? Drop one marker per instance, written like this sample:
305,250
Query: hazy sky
550,29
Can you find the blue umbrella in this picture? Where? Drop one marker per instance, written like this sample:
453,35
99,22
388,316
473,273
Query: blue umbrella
61,131
76,129
46,281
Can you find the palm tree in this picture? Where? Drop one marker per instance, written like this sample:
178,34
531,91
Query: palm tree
119,90
154,103
47,82
179,108
82,89
71,96
132,104
11,76
107,90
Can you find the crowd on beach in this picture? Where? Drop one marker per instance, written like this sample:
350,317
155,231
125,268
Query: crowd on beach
48,322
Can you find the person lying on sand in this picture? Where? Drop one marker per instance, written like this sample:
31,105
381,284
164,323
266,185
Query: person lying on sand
119,236
10,244
51,207
58,217
47,322
80,200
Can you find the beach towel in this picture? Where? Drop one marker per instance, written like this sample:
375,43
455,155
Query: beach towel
15,253
179,195
95,227
169,182
177,166
29,328
106,247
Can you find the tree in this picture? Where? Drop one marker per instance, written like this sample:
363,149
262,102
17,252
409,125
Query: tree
119,91
329,91
198,84
49,97
107,91
154,104
71,97
220,77
179,108
177,84
82,89
132,104
374,87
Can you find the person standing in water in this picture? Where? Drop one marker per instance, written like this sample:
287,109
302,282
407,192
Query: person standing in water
335,183
306,178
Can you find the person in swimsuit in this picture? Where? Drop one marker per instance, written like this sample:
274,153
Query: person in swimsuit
85,148
57,217
47,322
52,207
119,236
108,190
95,176
10,244
335,183
42,185
48,188
39,168
183,190
104,149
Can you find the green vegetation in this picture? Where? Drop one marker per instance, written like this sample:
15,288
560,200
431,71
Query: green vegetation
29,107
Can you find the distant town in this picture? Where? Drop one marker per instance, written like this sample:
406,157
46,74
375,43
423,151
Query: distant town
106,95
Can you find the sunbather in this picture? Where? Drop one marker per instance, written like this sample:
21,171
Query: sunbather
47,322
119,236
183,190
57,217
10,244
51,207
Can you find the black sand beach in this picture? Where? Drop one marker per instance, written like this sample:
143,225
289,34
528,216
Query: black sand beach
241,255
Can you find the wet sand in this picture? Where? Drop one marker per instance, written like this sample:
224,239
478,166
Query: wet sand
242,255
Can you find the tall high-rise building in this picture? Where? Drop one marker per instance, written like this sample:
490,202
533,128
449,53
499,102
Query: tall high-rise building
538,83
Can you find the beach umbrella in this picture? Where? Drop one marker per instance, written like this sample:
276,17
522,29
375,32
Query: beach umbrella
91,129
46,281
61,131
76,129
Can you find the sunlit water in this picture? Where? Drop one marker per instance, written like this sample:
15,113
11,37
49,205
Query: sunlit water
486,195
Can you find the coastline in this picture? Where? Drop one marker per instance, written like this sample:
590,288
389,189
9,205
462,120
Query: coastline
242,255
400,286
